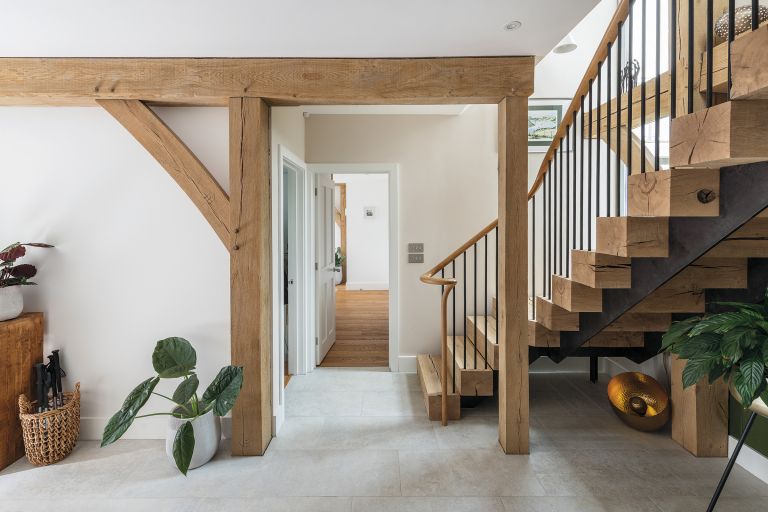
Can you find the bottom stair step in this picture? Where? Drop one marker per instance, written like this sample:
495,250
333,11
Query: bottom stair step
473,378
428,368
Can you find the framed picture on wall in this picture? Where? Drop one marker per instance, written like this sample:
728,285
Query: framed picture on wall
544,116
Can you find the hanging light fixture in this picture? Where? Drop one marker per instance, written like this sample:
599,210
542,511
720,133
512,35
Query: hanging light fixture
567,45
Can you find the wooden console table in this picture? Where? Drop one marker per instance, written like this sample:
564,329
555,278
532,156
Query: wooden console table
21,347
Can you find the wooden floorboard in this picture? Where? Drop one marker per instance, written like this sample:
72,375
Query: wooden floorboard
362,329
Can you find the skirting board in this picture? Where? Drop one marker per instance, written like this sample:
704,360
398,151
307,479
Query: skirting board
366,286
407,364
91,429
653,367
749,459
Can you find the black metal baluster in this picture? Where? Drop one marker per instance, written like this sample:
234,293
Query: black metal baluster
673,59
573,206
465,308
710,45
442,276
560,205
474,307
630,86
643,62
755,9
581,171
533,257
485,294
691,21
597,137
618,117
589,172
657,90
547,252
453,306
731,37
567,224
608,131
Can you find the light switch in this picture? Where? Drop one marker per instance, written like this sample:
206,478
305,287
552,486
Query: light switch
415,258
419,247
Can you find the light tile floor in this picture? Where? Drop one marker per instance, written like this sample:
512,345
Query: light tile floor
359,440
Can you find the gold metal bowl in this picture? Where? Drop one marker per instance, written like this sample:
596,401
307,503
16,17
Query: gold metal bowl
639,400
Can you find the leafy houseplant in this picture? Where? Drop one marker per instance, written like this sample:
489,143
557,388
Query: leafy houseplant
176,358
732,345
338,259
12,276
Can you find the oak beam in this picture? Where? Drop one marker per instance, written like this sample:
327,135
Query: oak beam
177,159
212,81
513,271
250,271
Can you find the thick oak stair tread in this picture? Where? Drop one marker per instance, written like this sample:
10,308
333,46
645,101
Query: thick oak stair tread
633,237
540,336
675,193
479,338
428,369
574,296
749,241
731,133
749,65
472,378
598,270
555,318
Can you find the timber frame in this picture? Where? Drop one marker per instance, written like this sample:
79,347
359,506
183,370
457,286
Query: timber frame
125,87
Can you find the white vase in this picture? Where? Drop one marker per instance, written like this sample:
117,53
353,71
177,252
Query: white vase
11,302
337,277
207,430
758,406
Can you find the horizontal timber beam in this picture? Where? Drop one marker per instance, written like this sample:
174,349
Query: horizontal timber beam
286,81
177,159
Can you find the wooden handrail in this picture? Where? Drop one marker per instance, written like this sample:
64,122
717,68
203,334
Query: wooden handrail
611,33
428,277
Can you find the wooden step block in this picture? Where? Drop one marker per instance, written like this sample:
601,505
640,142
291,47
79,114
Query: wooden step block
713,273
598,270
428,368
672,298
749,241
675,193
479,338
555,318
641,322
472,378
540,336
574,296
633,237
749,65
731,133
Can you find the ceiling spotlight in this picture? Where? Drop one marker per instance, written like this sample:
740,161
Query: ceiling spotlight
513,25
567,45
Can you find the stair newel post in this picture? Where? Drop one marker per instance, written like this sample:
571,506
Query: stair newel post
444,351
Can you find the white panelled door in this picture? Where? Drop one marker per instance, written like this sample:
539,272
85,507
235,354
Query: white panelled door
325,274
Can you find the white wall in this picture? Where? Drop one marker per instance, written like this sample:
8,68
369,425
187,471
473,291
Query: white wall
447,189
134,260
367,238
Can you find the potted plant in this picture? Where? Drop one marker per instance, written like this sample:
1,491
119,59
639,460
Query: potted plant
338,261
194,429
732,346
13,276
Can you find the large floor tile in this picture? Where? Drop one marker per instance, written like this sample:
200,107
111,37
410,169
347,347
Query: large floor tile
410,504
578,504
279,504
393,403
323,403
696,503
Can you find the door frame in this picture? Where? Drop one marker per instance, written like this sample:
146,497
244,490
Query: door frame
297,357
391,170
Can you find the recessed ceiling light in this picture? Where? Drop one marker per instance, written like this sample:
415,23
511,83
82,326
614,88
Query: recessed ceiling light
513,25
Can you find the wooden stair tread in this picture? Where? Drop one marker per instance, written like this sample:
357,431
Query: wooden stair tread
633,237
475,379
599,270
493,348
555,318
574,296
428,369
675,193
540,336
749,65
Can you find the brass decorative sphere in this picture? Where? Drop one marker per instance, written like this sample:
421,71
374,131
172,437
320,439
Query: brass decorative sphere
639,400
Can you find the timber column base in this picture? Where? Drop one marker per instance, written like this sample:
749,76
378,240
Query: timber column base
699,414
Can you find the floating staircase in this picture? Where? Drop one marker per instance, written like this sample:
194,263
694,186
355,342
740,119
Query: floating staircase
688,236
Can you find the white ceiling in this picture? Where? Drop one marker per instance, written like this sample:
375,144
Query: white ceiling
284,28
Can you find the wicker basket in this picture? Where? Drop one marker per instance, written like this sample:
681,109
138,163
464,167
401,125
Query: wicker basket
50,436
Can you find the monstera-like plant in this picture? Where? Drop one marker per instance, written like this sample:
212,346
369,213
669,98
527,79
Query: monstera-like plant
732,345
175,358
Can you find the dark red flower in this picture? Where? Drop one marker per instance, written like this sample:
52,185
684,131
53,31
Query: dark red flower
24,271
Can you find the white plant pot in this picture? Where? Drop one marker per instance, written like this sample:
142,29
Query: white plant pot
207,430
337,277
758,406
11,302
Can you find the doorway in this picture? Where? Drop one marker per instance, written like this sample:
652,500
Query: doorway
355,224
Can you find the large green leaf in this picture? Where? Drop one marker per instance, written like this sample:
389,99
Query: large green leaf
707,344
749,378
173,357
224,389
695,369
734,341
122,419
716,372
678,331
722,322
186,390
184,446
